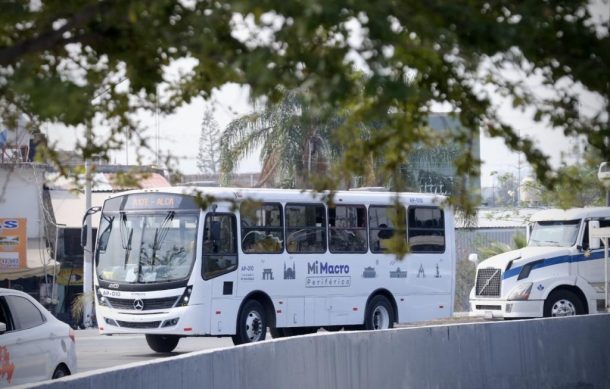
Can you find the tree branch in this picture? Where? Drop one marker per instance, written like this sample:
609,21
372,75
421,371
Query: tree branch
50,39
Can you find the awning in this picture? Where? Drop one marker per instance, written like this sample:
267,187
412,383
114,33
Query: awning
69,207
39,262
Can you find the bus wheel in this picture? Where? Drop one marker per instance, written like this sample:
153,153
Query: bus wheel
251,323
162,343
562,303
379,314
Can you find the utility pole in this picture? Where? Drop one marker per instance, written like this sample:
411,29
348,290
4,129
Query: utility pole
88,252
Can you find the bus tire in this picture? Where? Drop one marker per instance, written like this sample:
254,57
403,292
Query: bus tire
563,303
379,314
162,343
251,323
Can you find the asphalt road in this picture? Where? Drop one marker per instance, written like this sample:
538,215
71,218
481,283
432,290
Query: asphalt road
95,351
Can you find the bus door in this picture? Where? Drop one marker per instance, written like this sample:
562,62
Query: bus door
219,268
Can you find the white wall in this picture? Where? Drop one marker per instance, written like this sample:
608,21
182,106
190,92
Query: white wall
572,352
20,195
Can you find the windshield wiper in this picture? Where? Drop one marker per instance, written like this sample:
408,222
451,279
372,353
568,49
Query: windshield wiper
161,234
125,238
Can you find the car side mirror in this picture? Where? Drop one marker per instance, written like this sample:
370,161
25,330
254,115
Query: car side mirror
473,257
2,328
594,243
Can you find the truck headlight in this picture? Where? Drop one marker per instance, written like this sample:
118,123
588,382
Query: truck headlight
521,292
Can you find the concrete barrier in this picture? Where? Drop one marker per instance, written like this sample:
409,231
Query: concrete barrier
569,352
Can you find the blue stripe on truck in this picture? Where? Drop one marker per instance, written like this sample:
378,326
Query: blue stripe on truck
556,261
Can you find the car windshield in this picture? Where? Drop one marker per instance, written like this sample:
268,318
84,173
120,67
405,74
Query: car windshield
146,248
554,233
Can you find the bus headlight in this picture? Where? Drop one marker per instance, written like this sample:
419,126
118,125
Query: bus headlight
521,292
185,298
101,300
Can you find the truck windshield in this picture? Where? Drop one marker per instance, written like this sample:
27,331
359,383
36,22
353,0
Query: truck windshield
555,233
146,248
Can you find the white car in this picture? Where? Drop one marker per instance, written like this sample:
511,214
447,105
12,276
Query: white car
34,345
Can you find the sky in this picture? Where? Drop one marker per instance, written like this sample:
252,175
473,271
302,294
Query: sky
179,134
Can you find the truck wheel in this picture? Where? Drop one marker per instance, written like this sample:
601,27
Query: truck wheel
379,314
162,343
563,303
251,323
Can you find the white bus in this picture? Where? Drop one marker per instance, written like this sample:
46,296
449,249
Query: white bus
559,273
169,266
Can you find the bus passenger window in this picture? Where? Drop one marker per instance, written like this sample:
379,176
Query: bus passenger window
262,228
219,245
347,229
305,228
383,222
426,230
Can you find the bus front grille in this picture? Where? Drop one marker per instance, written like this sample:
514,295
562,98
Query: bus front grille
488,282
145,324
146,304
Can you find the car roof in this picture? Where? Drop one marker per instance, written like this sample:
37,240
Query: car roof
4,291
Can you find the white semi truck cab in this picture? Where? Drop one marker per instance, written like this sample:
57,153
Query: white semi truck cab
559,273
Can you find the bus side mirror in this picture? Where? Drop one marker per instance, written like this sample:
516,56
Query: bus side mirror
83,235
473,257
83,231
2,328
594,243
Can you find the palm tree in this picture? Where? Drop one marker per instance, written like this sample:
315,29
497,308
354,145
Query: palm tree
295,139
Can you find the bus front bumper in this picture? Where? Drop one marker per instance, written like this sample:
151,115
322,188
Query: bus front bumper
175,321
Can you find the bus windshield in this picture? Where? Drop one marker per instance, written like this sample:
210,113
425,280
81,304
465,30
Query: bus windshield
146,248
555,233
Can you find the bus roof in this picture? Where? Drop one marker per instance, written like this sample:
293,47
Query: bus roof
297,195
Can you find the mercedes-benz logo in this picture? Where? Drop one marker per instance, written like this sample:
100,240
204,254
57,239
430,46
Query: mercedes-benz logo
138,305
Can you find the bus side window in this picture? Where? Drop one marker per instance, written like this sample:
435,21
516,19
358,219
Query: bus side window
381,226
347,229
426,230
262,228
219,245
305,228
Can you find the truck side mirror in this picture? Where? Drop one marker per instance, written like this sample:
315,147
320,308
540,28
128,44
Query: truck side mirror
473,257
594,243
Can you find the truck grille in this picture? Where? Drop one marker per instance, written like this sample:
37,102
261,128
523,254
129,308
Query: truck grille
488,282
149,304
133,324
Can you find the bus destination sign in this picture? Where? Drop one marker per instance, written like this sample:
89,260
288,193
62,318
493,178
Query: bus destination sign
153,201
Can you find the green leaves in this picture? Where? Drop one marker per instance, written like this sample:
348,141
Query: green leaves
366,60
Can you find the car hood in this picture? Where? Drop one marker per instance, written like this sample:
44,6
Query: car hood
523,256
